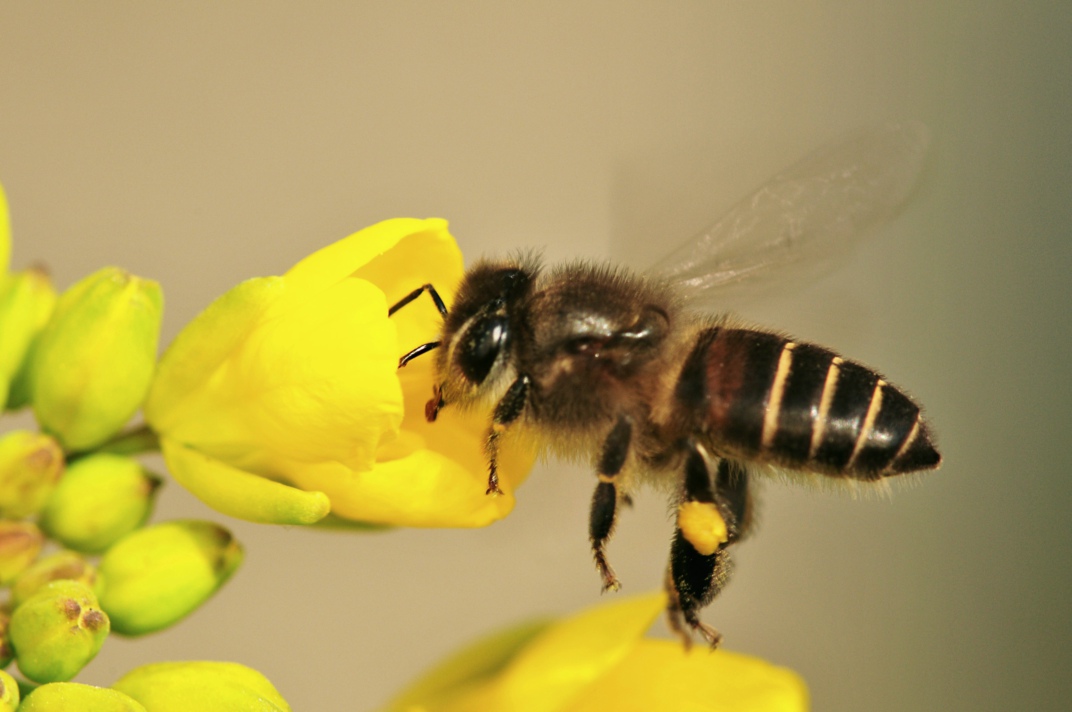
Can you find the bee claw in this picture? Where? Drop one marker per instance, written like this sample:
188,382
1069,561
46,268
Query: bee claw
712,636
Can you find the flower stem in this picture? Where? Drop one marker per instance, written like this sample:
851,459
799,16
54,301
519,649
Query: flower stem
133,441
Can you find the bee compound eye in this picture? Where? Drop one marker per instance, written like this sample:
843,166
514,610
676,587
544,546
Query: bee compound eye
483,343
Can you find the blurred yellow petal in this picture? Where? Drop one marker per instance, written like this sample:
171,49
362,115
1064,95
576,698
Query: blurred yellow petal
598,660
660,675
575,653
5,234
240,494
470,667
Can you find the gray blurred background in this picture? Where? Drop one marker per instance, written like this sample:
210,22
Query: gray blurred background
202,143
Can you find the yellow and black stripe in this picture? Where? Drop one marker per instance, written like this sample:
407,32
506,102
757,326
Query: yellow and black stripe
761,396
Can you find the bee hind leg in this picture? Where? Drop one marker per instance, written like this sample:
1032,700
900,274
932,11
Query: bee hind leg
605,500
710,520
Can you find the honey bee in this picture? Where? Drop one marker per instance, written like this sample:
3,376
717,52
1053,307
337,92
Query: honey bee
630,370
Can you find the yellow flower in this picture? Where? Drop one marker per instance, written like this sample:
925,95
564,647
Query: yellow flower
5,234
597,660
283,399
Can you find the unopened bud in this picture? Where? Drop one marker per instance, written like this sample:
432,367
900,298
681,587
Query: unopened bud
92,363
157,575
57,631
9,692
61,566
76,697
30,465
26,301
20,543
201,686
100,499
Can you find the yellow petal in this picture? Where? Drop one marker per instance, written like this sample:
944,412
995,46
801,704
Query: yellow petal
432,475
312,380
430,256
343,258
418,486
597,660
474,665
573,654
398,256
202,346
240,494
424,489
660,675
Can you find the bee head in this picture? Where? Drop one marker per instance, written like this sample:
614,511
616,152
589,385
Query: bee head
479,333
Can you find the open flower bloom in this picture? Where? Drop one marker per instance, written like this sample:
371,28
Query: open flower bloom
598,660
283,400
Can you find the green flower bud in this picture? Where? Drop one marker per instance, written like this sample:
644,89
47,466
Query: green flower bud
26,301
74,696
9,693
61,566
57,631
30,465
6,652
201,686
100,499
93,361
20,543
157,575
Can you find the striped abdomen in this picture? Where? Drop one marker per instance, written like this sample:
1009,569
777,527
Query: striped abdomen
760,396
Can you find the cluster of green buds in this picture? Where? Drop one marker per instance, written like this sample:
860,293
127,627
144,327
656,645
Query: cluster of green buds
79,557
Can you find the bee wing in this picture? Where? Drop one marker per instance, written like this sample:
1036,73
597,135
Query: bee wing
806,218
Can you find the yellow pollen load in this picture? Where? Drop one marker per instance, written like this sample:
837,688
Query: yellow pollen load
702,526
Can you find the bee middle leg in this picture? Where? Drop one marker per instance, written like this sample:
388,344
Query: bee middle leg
605,500
710,520
506,412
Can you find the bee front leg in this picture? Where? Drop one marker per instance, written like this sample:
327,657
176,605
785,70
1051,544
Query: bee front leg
605,499
506,412
710,520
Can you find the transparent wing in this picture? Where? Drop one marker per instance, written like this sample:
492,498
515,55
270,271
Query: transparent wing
807,217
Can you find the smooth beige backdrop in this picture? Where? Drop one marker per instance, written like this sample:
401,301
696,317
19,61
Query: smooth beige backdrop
201,143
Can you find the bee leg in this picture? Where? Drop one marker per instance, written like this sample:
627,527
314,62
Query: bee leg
506,412
419,351
709,522
605,499
423,348
416,293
